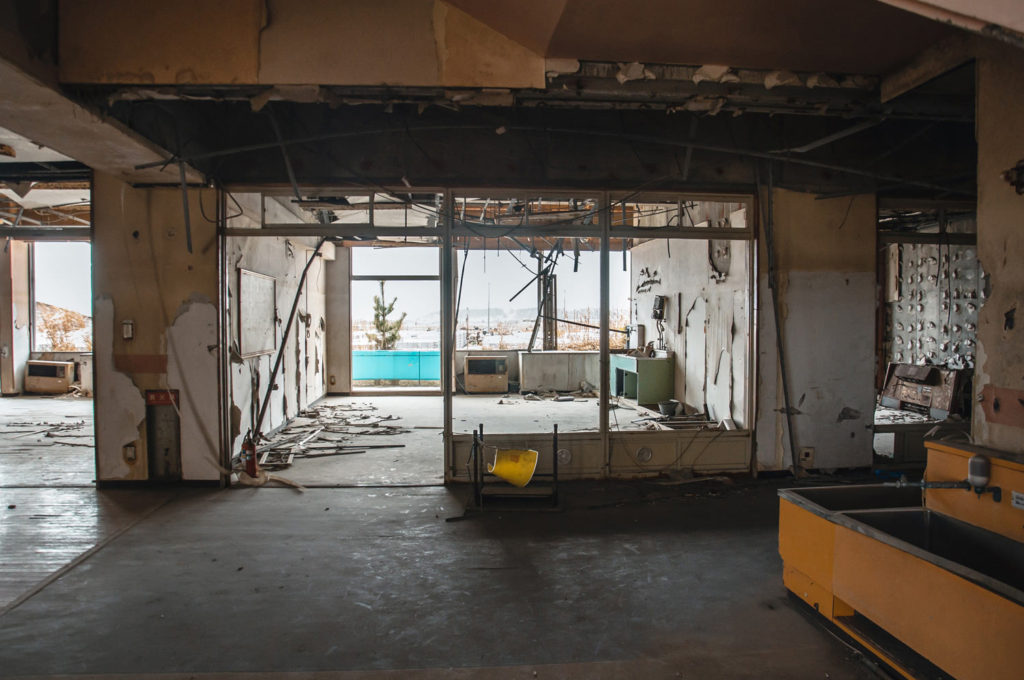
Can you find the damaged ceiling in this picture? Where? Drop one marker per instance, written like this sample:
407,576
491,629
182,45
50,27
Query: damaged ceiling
846,36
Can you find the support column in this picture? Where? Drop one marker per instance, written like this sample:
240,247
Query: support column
15,316
998,419
148,286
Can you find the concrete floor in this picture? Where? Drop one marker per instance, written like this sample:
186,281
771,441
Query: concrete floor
46,441
420,460
664,582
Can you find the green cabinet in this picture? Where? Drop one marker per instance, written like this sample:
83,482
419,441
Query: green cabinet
647,380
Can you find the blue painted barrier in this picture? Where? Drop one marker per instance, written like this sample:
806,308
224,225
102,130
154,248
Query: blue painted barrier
376,364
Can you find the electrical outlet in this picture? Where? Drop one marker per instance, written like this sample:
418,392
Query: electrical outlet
129,453
807,456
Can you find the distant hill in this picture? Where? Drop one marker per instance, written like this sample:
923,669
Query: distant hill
62,330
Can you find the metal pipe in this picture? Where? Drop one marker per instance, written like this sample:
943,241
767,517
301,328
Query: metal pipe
284,337
604,360
448,321
284,154
184,205
769,235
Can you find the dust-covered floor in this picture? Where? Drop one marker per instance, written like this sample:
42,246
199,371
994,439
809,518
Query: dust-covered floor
396,440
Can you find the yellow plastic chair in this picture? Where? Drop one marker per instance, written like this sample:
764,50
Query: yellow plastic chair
515,466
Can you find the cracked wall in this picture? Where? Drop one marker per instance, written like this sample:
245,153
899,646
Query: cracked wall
998,419
302,377
142,272
711,339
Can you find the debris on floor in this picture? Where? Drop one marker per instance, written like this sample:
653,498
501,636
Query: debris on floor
327,431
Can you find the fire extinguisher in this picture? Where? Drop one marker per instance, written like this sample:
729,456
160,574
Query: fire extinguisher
249,456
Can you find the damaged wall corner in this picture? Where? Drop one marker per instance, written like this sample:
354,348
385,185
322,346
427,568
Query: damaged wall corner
143,272
303,374
999,368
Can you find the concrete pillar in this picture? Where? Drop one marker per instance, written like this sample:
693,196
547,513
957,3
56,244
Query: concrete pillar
825,256
15,316
339,323
998,419
143,274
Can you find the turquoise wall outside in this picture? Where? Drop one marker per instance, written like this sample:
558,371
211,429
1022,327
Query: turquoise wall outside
396,365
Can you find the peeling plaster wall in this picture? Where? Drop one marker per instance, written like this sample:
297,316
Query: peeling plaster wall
999,370
721,359
192,369
143,272
339,322
302,378
710,332
825,254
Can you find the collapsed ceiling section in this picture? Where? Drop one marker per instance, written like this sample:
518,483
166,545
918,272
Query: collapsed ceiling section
39,187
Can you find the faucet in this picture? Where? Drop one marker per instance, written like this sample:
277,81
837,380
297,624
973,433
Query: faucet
978,475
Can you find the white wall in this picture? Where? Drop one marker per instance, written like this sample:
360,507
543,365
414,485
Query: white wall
301,378
825,253
717,357
339,322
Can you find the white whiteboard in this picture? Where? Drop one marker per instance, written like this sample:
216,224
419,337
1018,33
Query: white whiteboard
257,313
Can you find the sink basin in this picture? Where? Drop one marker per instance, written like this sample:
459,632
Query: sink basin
987,553
860,497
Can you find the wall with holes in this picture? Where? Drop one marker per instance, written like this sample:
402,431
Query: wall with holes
933,297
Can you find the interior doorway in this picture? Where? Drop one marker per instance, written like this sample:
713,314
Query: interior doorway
47,432
395,308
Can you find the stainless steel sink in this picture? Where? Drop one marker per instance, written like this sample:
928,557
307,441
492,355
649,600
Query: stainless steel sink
860,497
957,543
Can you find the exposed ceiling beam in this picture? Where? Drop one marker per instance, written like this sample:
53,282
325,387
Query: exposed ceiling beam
938,59
46,233
39,112
834,137
53,171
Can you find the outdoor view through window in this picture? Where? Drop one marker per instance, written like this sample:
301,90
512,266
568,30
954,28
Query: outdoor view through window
63,297
488,317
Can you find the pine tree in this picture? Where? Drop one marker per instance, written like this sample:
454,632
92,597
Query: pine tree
388,332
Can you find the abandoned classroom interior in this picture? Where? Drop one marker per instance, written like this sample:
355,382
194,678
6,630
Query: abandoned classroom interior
466,338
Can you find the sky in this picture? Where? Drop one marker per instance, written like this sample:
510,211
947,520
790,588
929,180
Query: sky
63,275
489,275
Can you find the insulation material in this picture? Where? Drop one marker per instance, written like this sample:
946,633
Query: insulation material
935,314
